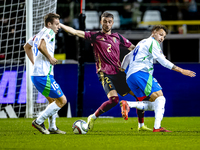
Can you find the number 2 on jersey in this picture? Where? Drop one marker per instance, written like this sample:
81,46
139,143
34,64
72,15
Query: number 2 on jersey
108,49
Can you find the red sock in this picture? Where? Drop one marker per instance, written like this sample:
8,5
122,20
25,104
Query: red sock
140,114
107,105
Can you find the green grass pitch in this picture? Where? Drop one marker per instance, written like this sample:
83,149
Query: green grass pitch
108,134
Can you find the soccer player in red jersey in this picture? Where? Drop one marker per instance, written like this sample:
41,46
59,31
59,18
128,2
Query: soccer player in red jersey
106,46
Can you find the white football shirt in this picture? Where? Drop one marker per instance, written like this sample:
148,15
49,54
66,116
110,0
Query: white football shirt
141,58
42,66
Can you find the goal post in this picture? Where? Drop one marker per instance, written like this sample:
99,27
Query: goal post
29,85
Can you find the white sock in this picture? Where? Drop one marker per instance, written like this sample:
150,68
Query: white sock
159,111
132,104
140,124
49,111
142,105
52,122
93,116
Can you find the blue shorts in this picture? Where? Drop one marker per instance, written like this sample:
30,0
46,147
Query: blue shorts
143,84
47,86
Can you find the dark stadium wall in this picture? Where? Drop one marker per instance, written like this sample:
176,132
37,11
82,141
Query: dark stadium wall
66,75
181,92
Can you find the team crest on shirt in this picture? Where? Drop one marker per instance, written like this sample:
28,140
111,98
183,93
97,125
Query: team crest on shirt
58,91
114,39
47,36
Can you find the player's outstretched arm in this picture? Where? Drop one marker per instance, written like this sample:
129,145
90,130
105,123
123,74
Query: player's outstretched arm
29,52
72,31
183,71
43,49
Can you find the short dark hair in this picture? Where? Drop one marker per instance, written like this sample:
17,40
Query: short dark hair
158,27
50,18
107,14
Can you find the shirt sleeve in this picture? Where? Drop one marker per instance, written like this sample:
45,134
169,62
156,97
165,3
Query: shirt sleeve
30,41
124,42
159,56
126,60
89,36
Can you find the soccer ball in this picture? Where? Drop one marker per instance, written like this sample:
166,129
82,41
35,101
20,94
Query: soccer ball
80,127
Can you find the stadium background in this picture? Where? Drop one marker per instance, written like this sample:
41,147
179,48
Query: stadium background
183,50
181,47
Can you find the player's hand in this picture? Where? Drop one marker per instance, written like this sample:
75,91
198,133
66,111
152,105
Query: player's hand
188,73
53,61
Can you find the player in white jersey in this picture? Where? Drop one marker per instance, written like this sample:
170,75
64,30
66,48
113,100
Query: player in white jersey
40,50
138,65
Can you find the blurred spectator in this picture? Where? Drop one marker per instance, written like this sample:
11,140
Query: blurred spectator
172,10
69,44
188,10
65,44
155,5
60,42
126,21
192,9
137,14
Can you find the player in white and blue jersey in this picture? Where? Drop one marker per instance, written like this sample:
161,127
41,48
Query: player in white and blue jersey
138,65
40,50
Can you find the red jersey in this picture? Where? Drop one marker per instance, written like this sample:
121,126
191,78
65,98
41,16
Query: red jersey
107,50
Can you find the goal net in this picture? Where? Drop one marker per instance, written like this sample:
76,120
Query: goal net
13,81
